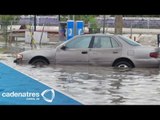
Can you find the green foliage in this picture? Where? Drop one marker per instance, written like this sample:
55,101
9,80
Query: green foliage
6,19
88,19
91,21
63,17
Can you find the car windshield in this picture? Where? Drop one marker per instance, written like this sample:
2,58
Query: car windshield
129,41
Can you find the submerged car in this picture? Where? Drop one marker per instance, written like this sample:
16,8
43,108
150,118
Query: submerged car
95,49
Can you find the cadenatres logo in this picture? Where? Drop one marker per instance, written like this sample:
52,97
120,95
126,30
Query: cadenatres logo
52,94
48,95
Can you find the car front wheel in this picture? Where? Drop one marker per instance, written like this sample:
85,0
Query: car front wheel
39,62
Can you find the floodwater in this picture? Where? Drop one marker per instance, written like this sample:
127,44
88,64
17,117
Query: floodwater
95,85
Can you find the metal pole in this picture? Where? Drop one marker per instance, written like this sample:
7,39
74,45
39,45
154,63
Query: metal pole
69,17
35,22
131,30
107,24
148,23
158,40
59,18
104,23
41,36
10,39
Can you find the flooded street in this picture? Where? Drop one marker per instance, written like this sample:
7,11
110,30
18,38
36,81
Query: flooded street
94,85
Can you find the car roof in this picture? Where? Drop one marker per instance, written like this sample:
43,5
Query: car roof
98,34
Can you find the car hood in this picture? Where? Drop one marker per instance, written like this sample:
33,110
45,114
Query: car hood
38,52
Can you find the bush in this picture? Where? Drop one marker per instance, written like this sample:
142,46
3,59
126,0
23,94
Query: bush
94,30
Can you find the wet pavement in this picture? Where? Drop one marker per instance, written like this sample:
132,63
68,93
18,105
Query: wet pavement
95,85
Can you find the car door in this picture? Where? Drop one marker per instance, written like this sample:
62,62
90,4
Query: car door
75,52
104,51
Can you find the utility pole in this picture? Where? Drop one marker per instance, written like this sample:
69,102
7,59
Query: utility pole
59,18
131,31
69,17
32,34
104,22
35,22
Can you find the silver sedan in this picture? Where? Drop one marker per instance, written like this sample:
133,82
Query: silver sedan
95,49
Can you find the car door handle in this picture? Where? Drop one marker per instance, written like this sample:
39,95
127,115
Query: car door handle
115,52
84,52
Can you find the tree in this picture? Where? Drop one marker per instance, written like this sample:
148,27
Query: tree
118,24
89,20
5,20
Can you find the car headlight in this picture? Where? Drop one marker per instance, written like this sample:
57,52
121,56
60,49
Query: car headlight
19,56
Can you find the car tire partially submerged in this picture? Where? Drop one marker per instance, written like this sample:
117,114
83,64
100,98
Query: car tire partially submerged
39,62
123,64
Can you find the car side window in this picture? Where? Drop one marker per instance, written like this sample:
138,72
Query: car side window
79,42
114,43
102,42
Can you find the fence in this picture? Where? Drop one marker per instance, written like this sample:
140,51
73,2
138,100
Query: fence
133,22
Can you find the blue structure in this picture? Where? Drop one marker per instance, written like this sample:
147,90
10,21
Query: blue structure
79,27
70,29
19,89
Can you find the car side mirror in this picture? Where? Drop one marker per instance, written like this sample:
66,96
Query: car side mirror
63,47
